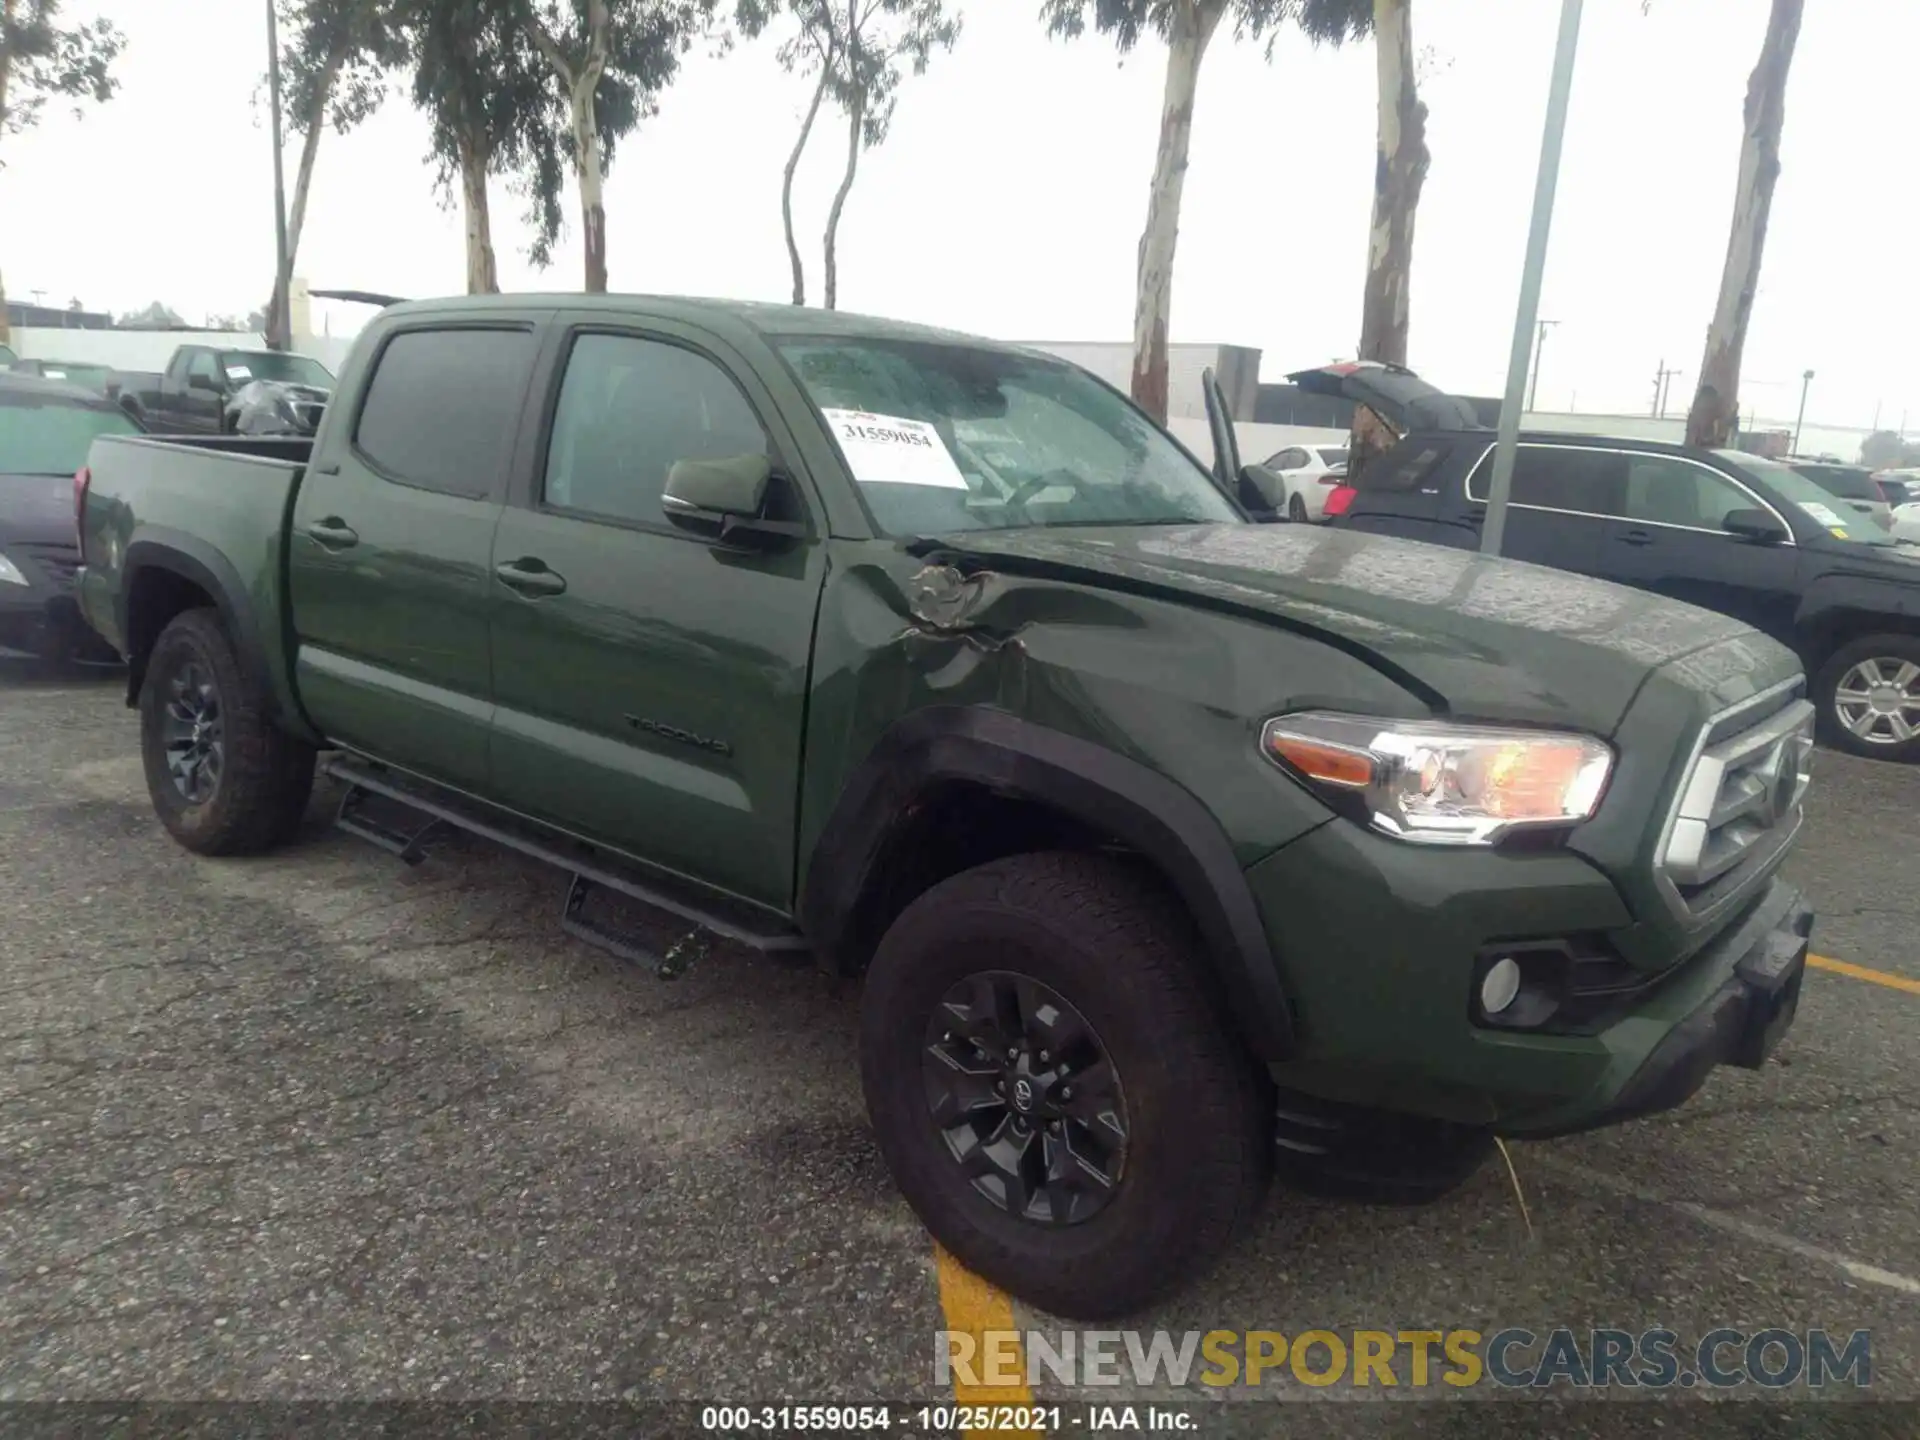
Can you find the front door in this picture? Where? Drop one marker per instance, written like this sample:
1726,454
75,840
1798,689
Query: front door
651,686
392,544
1673,540
203,397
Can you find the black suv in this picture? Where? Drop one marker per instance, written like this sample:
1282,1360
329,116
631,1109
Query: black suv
1733,532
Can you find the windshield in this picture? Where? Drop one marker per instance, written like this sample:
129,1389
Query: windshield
947,437
1790,485
75,374
244,365
1842,480
41,435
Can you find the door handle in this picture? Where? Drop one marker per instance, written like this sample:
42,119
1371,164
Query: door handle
1636,537
333,533
530,577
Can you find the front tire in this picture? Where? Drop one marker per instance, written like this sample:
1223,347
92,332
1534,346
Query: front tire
224,779
1868,694
1054,971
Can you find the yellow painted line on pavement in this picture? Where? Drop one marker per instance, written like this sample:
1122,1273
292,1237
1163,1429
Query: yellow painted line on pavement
974,1307
1866,973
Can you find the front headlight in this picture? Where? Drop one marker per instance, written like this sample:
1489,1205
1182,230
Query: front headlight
1440,783
10,573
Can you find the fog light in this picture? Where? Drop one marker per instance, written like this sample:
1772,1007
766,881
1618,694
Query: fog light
1501,985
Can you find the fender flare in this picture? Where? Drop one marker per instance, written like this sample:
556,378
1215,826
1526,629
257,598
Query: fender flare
177,553
1143,809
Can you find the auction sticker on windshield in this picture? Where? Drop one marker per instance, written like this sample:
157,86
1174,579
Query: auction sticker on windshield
893,450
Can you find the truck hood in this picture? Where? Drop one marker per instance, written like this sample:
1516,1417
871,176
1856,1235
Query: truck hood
1476,637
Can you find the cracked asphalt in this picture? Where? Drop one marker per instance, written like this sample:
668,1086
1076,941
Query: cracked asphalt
320,1126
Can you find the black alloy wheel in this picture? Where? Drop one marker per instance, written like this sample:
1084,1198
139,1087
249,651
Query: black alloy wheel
193,733
1026,1098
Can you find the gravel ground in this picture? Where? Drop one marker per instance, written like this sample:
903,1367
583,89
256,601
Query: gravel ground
319,1126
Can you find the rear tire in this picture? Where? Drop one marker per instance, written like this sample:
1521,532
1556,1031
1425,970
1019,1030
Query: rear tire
1099,940
224,779
1861,688
1297,510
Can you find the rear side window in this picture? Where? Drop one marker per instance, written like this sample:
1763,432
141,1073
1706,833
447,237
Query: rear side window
1410,465
1560,477
439,412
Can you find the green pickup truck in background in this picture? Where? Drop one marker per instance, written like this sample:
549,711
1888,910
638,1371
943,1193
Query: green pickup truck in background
1171,847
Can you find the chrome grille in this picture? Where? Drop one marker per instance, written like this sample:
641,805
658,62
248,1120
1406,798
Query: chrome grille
1740,804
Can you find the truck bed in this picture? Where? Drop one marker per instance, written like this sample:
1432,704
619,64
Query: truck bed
224,502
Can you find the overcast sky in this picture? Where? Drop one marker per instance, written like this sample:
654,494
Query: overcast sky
1009,198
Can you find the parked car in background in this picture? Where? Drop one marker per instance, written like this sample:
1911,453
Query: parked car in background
83,373
211,390
1148,829
46,428
1852,486
1734,532
1898,487
1295,481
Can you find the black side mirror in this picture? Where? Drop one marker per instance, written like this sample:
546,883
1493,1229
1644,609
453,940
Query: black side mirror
736,501
198,381
1759,526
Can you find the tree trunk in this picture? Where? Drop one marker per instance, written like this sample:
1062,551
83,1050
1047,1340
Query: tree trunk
279,321
587,171
1716,401
856,117
482,276
1400,169
786,181
6,329
1194,22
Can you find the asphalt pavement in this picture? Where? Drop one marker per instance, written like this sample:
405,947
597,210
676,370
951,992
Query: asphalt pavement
320,1126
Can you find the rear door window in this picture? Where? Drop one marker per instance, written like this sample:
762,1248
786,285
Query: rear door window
1561,477
441,409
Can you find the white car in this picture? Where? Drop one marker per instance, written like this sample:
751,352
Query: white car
1906,522
1298,478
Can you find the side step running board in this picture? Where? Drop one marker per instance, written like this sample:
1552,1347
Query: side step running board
367,810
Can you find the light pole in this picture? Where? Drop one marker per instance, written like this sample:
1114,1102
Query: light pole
1540,328
279,322
1558,89
1805,381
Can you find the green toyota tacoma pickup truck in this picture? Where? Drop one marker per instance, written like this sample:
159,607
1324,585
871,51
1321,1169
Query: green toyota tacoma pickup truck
1171,848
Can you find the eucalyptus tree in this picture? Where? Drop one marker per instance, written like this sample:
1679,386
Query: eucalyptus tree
42,60
1188,27
335,68
610,59
1712,418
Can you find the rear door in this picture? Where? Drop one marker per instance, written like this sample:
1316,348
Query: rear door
651,685
1563,509
1673,540
392,543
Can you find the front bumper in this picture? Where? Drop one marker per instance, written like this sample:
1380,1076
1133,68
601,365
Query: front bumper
1740,1023
1379,941
43,616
